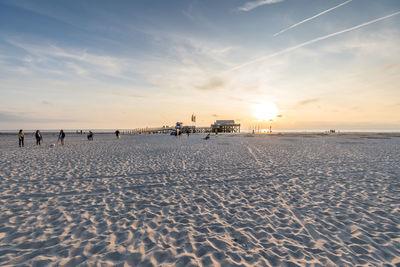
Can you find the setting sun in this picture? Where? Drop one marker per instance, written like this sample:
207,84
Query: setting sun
265,111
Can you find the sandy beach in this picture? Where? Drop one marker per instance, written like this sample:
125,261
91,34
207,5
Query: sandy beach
235,200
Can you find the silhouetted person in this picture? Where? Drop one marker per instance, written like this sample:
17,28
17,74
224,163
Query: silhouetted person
207,137
38,137
61,137
21,137
90,136
117,134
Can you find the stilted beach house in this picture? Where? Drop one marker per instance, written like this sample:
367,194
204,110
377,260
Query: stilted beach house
225,126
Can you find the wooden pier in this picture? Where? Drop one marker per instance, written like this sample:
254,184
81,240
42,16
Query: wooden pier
221,126
166,130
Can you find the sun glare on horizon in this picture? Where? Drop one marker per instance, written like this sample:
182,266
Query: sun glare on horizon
265,111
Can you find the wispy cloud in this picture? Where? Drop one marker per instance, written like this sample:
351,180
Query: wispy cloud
214,83
187,62
80,62
389,66
308,101
130,95
254,4
290,49
8,117
17,117
238,99
313,17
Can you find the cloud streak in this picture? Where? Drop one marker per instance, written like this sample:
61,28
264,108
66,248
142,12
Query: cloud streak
290,49
313,17
308,101
10,117
213,84
17,117
80,62
45,102
254,4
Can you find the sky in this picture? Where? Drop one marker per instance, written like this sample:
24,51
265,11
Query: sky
128,64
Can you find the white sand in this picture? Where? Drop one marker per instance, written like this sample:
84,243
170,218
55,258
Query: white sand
233,201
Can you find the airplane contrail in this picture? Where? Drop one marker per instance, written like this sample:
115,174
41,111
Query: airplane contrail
313,17
311,42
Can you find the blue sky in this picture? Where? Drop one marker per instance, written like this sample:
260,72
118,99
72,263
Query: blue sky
128,64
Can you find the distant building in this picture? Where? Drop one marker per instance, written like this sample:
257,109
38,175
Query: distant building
225,126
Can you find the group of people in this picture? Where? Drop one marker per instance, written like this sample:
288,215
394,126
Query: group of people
90,135
61,137
178,132
39,137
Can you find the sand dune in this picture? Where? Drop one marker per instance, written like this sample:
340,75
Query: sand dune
152,200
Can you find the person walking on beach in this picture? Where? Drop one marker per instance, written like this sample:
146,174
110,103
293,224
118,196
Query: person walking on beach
117,134
61,137
21,137
38,137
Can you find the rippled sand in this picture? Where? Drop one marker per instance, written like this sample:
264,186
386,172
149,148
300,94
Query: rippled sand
232,201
